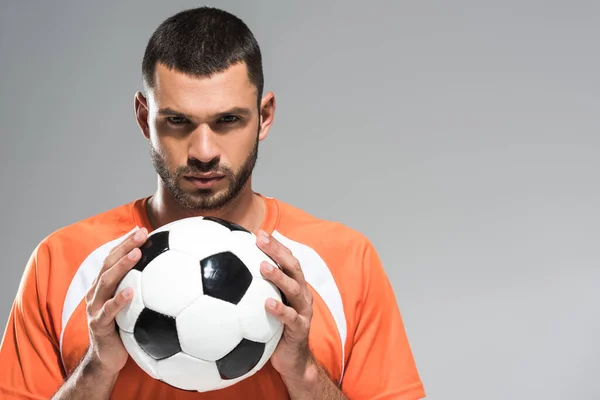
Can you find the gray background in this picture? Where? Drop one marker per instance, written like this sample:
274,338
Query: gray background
461,137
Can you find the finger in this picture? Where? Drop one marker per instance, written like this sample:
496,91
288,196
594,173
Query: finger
108,281
281,255
297,326
110,309
293,292
135,239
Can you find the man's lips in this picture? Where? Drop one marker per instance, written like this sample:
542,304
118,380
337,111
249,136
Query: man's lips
211,175
204,181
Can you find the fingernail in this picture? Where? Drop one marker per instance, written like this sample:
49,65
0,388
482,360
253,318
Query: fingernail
139,234
127,292
263,237
132,254
271,303
268,267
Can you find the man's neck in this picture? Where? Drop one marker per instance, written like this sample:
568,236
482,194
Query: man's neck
247,209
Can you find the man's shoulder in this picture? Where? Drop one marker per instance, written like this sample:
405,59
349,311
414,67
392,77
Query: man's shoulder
95,230
317,232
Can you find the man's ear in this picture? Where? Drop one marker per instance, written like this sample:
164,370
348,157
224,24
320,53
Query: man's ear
140,105
267,115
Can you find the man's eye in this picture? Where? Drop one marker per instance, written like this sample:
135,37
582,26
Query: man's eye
176,120
228,119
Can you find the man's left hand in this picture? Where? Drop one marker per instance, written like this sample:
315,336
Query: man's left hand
302,375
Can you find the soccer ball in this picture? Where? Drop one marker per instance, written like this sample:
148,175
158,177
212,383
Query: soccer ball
197,320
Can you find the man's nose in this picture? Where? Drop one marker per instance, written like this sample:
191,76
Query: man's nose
204,145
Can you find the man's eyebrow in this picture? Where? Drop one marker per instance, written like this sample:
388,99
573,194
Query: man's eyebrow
235,111
232,111
169,111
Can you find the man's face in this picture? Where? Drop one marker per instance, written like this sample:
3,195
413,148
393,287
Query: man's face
203,135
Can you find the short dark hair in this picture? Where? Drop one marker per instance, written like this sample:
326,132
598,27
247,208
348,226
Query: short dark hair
201,42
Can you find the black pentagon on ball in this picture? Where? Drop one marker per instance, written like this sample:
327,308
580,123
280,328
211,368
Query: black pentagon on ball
157,334
227,224
155,245
241,359
225,277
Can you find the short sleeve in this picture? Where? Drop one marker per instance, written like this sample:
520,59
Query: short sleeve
381,365
29,352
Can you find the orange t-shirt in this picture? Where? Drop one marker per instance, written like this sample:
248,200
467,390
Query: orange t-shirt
357,332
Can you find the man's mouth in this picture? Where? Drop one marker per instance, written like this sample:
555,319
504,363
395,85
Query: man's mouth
204,181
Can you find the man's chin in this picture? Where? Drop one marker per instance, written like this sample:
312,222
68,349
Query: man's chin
207,201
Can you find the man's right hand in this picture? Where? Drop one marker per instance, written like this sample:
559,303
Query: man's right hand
96,375
107,354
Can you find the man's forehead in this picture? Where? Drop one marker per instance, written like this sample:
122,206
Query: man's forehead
191,94
233,78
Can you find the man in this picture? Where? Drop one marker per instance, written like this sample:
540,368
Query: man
204,114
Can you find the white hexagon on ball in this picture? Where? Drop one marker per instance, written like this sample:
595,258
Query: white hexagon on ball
199,238
270,347
209,328
244,246
256,322
189,373
171,282
129,314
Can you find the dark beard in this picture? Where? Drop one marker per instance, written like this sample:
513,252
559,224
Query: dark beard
204,199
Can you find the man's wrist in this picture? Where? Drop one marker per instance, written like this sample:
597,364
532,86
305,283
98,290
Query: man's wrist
89,381
93,367
307,383
313,383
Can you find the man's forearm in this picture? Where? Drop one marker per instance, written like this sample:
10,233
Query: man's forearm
315,385
87,382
